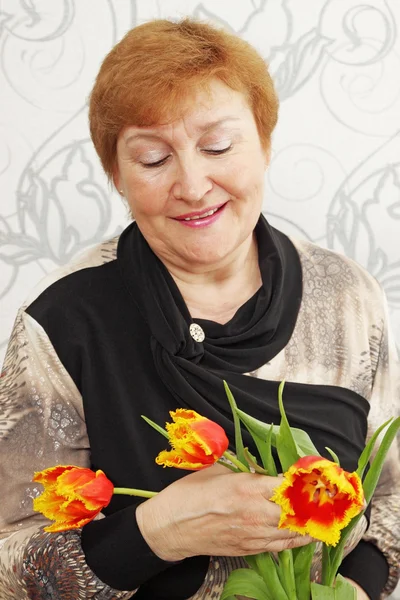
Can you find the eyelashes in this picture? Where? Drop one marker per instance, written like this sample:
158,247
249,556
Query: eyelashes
162,161
158,163
219,151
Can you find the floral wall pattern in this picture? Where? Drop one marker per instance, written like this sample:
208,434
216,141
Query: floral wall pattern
334,176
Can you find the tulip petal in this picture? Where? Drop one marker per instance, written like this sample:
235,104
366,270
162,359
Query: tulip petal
48,503
94,492
196,441
50,475
182,460
209,435
318,498
72,497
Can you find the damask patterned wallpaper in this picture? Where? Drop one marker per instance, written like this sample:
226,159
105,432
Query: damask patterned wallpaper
335,171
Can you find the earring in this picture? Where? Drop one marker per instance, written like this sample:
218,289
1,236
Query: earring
121,192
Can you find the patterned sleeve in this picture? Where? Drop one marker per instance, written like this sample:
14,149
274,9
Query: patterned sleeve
41,425
384,530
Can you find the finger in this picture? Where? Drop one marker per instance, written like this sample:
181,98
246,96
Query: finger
296,541
218,468
209,472
269,485
282,535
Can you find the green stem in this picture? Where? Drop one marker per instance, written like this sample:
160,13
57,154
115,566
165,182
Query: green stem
287,573
334,564
230,467
326,566
133,492
233,459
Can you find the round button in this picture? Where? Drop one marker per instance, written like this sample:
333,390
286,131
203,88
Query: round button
197,333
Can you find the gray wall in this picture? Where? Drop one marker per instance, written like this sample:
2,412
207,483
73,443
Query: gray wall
334,176
335,171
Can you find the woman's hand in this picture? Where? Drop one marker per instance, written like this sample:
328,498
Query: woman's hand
215,512
361,595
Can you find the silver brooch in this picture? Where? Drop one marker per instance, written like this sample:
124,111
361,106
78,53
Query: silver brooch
197,333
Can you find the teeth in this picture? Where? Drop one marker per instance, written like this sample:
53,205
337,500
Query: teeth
207,214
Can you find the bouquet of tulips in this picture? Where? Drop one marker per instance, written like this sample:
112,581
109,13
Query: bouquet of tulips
317,497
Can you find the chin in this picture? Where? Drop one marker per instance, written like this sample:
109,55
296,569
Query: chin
203,257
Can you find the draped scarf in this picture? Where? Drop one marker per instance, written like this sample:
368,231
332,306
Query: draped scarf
189,374
193,371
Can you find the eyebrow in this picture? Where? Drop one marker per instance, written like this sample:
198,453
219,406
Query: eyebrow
201,129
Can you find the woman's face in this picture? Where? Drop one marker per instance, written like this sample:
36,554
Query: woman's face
195,186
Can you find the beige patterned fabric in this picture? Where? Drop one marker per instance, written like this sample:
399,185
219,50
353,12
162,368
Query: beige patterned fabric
341,338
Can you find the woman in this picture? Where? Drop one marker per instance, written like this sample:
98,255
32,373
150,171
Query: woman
198,289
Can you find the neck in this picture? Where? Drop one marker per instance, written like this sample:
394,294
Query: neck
216,293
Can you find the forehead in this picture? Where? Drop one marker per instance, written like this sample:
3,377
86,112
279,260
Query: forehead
204,109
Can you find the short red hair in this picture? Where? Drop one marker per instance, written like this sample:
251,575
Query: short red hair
149,74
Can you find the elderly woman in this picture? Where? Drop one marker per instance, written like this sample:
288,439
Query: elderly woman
199,288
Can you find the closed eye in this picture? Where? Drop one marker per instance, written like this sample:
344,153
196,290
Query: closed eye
214,152
219,151
158,163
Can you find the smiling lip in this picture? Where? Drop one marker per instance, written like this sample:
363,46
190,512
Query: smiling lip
202,221
198,214
190,220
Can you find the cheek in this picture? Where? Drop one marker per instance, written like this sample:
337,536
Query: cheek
249,183
148,198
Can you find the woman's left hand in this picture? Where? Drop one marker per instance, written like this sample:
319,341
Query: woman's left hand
361,595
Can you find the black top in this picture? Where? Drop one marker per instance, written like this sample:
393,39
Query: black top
122,332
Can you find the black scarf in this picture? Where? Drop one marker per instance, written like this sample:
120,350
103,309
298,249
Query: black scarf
193,372
177,371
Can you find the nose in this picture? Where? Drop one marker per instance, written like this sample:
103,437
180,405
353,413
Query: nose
191,182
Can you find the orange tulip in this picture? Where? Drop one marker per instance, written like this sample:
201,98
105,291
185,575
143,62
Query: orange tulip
197,442
72,496
318,498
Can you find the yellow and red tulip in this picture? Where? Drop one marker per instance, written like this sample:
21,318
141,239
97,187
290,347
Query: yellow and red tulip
197,442
318,498
72,497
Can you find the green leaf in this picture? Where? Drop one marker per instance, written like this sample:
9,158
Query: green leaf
267,454
239,448
235,461
265,451
286,573
305,447
265,565
326,563
344,590
334,455
302,569
322,592
251,560
228,466
156,427
257,427
285,444
336,553
246,583
372,477
252,462
369,485
366,453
